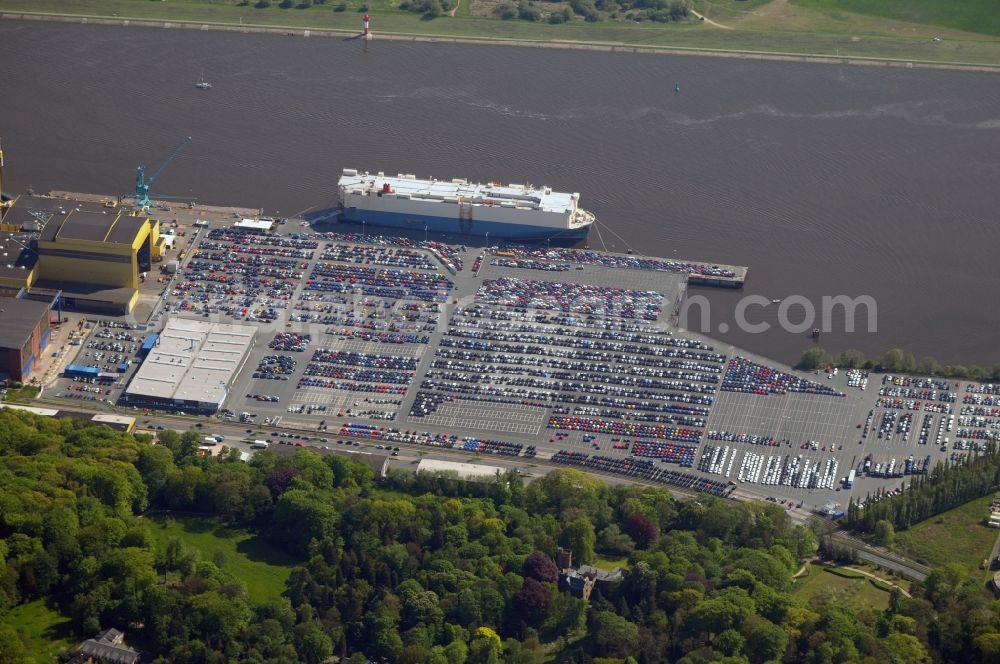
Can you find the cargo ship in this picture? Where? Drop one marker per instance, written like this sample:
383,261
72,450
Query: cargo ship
494,210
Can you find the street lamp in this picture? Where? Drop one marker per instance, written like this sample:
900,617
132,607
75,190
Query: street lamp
487,238
425,233
363,222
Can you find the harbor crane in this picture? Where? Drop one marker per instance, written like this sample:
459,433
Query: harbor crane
142,184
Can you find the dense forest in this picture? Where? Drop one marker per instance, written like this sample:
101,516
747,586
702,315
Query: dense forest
430,569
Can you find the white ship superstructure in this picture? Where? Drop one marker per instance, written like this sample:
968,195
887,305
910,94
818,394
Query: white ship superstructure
458,206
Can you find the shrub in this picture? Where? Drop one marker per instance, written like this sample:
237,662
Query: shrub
506,11
526,11
263,4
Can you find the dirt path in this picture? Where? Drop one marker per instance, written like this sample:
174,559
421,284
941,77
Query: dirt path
879,578
455,8
709,21
805,568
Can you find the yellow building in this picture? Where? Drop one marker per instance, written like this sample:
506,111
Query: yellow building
92,253
109,247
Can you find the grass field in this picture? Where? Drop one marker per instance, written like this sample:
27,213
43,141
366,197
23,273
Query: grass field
820,585
798,27
957,536
44,632
982,16
609,563
262,568
26,393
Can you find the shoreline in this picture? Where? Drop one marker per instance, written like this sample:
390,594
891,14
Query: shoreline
609,47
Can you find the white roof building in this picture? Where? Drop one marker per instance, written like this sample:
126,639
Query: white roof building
255,224
466,471
192,365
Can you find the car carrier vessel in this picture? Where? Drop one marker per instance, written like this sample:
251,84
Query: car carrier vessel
494,210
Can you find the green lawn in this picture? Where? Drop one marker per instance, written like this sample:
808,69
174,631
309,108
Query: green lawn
820,585
982,16
44,632
800,27
609,563
262,568
26,393
956,536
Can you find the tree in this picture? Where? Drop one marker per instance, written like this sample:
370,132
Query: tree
532,601
485,647
301,516
929,366
11,648
612,540
729,643
313,645
527,11
884,533
642,529
539,566
765,641
905,648
578,535
506,11
614,636
813,359
851,359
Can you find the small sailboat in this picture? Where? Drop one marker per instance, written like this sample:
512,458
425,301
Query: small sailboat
202,84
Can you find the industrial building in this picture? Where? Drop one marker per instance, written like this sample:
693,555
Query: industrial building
88,253
191,367
24,333
92,252
464,471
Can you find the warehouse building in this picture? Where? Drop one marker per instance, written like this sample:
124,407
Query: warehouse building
191,367
464,471
92,252
18,263
24,333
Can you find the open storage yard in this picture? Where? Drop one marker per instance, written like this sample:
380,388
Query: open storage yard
569,355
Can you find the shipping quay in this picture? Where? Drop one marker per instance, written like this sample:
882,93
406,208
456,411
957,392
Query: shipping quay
280,334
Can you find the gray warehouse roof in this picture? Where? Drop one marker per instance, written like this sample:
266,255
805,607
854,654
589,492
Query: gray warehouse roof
193,361
18,320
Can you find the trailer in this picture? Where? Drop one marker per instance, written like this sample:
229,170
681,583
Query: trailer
849,482
80,371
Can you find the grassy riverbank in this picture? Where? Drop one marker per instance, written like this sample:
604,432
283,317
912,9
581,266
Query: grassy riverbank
785,27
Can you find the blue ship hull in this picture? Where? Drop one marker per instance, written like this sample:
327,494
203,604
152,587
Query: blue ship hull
475,227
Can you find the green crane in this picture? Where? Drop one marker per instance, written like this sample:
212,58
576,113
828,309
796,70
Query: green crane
142,184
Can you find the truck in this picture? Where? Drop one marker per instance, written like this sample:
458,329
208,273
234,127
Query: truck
258,445
849,482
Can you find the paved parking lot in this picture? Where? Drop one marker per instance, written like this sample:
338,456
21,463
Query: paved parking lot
407,344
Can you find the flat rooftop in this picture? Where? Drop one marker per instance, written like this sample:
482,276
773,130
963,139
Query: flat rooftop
521,195
40,209
464,470
18,320
107,225
81,291
16,259
193,361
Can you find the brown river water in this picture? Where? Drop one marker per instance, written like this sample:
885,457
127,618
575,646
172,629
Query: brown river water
824,179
